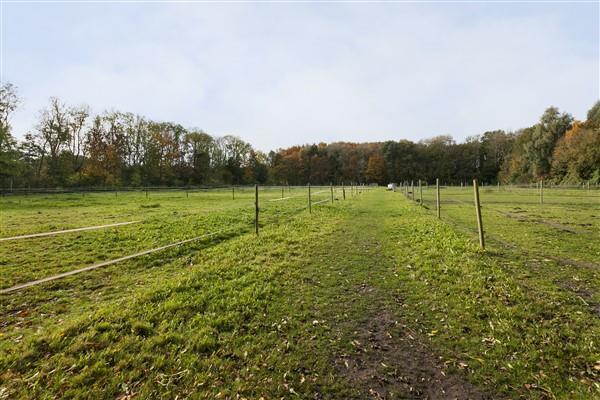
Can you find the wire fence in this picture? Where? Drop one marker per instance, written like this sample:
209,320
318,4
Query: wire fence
82,190
542,220
272,213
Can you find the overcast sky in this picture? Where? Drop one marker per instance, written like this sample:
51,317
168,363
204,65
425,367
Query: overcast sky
293,73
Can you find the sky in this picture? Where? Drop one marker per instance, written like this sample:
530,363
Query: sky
280,74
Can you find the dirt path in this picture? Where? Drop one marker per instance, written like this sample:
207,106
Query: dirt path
384,358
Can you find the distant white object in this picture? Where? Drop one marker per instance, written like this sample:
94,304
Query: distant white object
392,186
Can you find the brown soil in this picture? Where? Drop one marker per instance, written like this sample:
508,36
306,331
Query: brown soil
391,361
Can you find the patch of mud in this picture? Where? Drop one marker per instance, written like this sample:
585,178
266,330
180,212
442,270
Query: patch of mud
390,361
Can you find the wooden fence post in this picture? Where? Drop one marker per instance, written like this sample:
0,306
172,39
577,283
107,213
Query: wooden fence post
437,196
344,192
282,192
478,213
331,188
232,192
256,208
309,200
541,191
420,193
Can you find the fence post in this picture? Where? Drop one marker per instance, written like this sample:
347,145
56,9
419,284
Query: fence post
309,200
331,188
437,196
232,192
256,208
282,192
420,193
344,192
478,213
541,191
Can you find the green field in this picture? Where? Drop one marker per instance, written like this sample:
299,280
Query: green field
368,297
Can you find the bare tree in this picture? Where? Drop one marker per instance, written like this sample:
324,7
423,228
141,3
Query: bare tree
51,136
78,117
9,101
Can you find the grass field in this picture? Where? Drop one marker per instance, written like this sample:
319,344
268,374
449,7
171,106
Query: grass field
163,218
371,297
562,233
562,227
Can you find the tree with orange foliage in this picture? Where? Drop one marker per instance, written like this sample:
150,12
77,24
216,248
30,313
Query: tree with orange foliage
376,169
576,156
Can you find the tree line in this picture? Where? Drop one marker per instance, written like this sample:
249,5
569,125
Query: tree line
69,146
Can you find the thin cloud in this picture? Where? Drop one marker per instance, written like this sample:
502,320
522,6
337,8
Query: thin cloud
283,74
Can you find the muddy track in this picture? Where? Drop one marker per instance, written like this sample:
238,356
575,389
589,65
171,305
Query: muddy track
392,361
388,359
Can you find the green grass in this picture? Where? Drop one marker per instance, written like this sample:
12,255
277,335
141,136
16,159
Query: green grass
565,226
276,315
509,321
559,237
164,218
